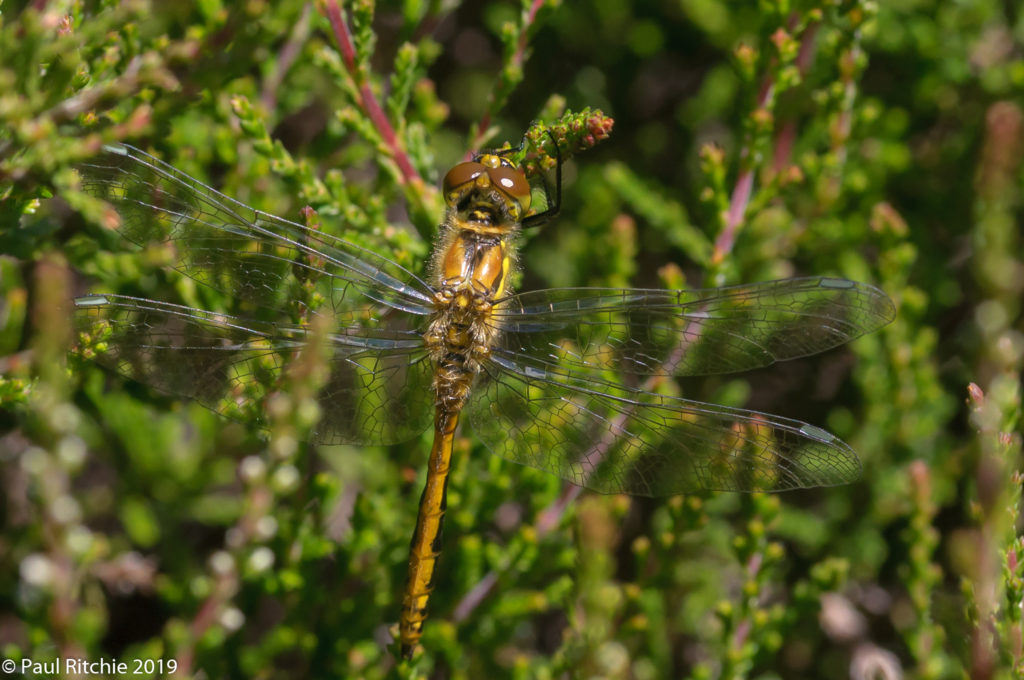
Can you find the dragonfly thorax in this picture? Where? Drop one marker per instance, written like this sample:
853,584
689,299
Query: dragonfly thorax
472,262
471,272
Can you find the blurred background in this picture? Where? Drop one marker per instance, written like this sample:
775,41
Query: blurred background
880,142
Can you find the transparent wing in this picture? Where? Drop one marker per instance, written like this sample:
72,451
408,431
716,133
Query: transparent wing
250,255
622,441
687,332
378,390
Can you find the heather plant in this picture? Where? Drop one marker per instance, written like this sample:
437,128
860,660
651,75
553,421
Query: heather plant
703,144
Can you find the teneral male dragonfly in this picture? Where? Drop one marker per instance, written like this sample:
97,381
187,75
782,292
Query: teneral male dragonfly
546,378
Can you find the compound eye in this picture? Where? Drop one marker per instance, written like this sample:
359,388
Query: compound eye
461,174
512,181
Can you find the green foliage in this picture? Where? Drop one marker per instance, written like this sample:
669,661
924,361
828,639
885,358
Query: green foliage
882,142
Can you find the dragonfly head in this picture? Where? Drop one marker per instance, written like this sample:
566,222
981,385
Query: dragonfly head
490,185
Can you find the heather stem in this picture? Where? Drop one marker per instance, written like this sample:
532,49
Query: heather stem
368,102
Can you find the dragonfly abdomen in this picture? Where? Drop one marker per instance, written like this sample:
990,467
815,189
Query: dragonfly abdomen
472,263
426,540
457,338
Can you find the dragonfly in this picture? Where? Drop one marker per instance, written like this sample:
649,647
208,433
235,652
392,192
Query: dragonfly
553,379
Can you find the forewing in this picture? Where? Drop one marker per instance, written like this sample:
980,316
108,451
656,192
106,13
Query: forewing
252,256
686,332
378,390
644,444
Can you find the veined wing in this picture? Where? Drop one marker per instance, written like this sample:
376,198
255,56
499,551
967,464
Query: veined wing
249,254
617,440
378,390
685,332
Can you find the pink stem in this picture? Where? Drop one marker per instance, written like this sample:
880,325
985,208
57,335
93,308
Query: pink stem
369,102
787,136
743,190
741,193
